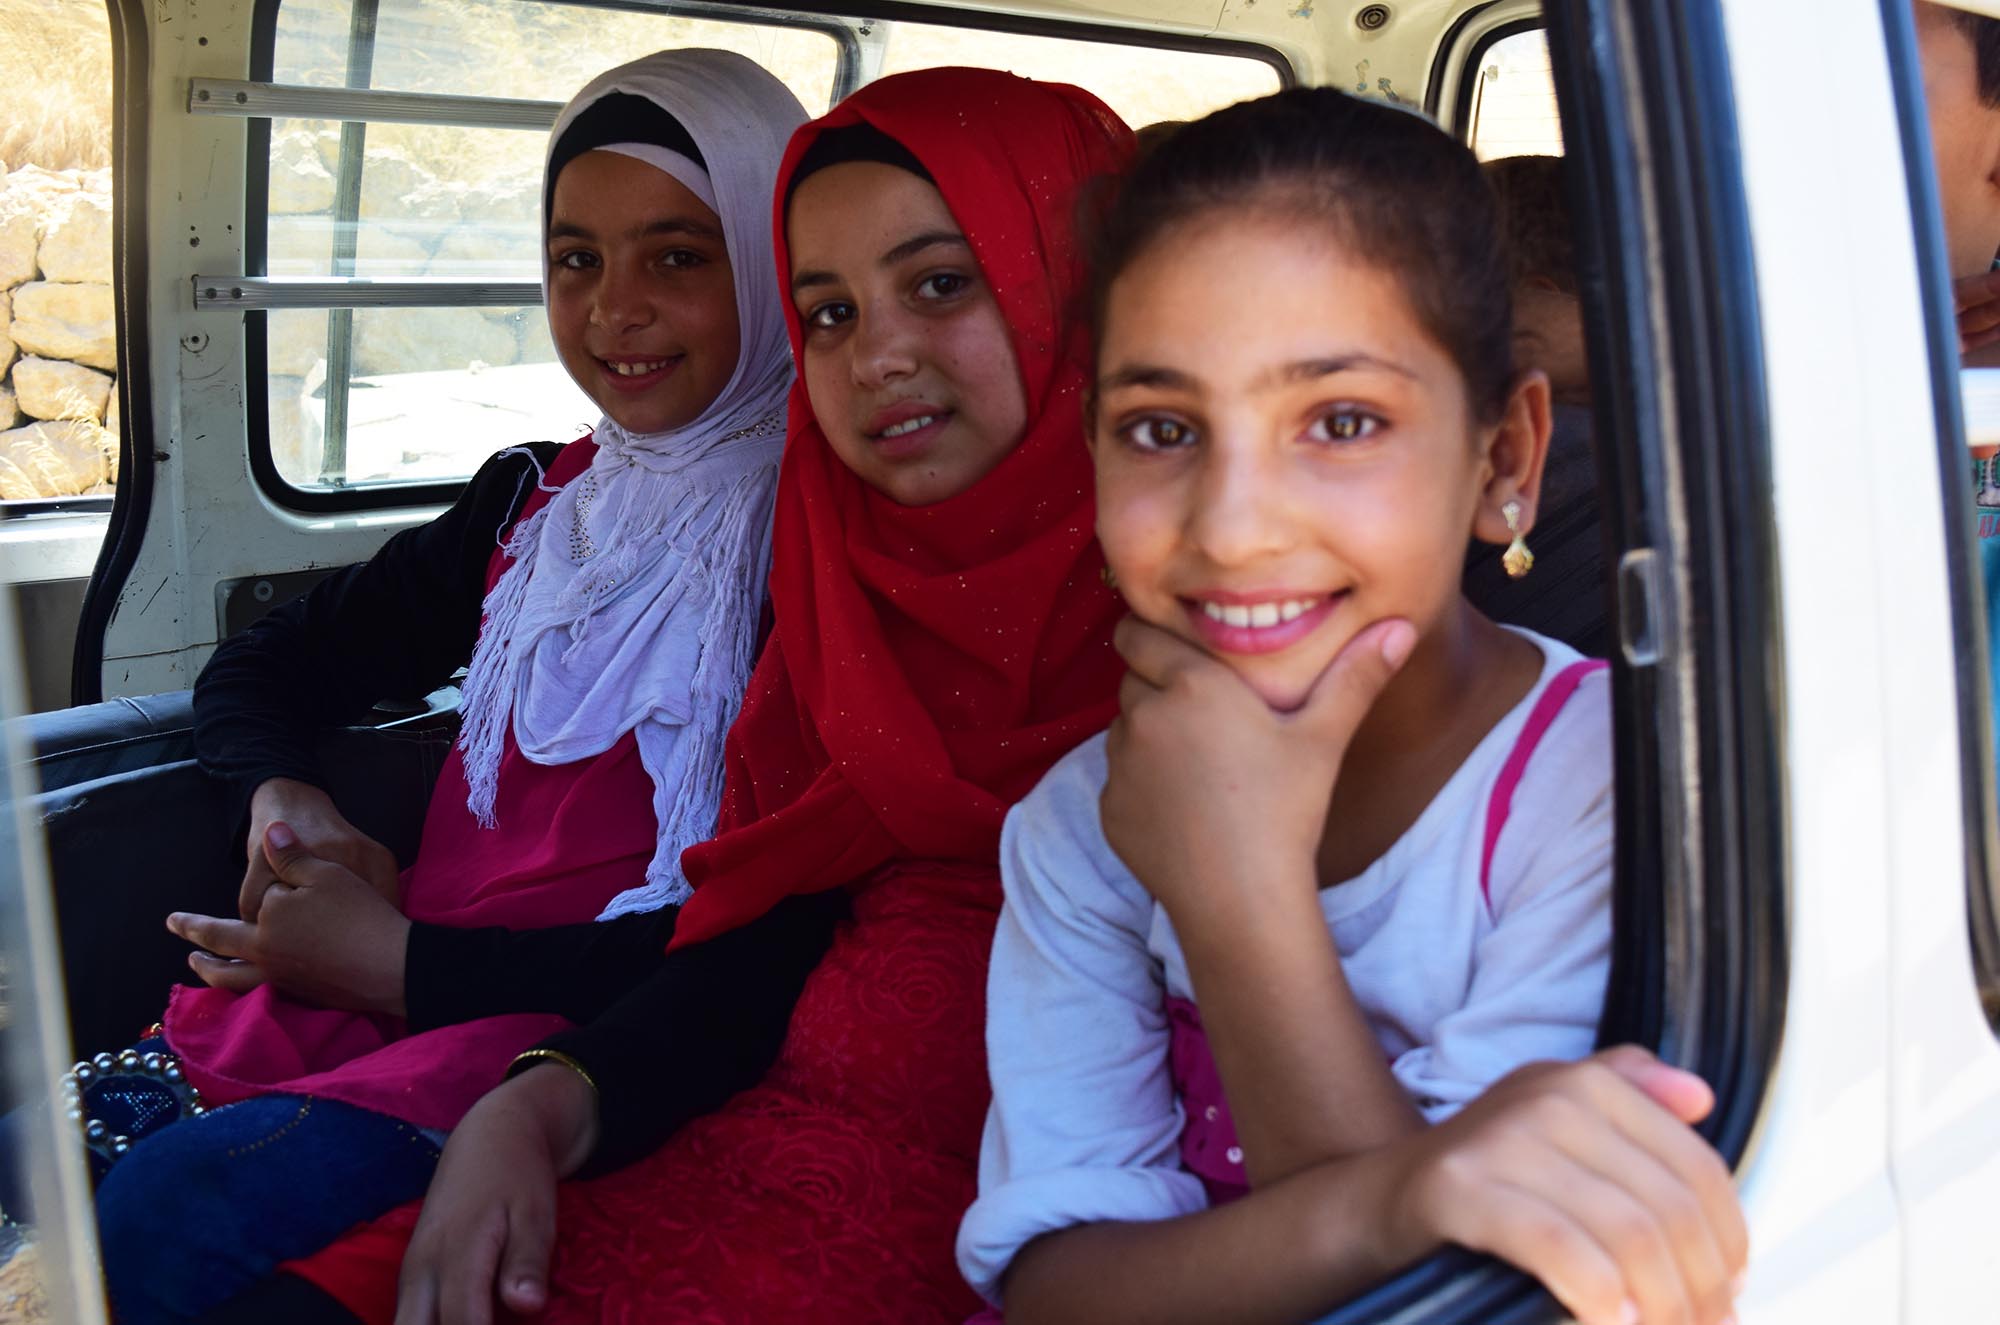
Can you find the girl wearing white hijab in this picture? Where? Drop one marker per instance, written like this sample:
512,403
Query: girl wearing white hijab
632,604
610,634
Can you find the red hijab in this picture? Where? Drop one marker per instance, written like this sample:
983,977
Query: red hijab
929,664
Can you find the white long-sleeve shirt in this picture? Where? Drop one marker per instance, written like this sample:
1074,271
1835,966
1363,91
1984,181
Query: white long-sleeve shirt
1461,982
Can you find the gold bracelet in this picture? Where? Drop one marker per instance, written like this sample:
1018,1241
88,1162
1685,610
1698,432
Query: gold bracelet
530,1057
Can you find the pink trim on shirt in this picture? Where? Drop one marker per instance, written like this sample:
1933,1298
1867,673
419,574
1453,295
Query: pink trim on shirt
1540,718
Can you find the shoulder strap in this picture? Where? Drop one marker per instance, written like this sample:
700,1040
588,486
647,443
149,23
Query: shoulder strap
1539,720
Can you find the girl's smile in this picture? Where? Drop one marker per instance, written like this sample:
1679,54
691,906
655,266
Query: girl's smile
906,431
634,376
1251,623
1284,452
906,358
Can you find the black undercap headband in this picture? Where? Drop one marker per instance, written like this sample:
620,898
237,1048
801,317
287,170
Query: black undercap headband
617,117
854,142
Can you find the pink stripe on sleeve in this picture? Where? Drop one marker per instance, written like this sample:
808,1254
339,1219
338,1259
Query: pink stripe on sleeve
1539,720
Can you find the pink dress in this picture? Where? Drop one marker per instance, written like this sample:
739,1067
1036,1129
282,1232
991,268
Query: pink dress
569,838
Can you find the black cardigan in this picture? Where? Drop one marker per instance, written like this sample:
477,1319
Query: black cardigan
666,1038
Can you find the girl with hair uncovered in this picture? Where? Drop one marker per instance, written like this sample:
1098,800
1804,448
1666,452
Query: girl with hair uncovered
1279,950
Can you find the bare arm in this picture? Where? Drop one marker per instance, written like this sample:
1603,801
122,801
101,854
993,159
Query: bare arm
1582,1174
1294,1247
488,1225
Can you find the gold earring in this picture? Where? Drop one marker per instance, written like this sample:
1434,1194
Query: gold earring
1516,560
1106,574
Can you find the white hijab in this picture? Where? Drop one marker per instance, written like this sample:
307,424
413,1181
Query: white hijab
634,597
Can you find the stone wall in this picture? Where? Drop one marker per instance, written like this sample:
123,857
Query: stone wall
58,350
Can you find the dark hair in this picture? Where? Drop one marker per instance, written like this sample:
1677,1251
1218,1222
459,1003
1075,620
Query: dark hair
1150,136
853,142
1398,190
1984,34
616,117
1534,220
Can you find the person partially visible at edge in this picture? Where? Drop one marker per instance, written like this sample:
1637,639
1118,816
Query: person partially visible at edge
1540,247
942,636
1297,960
1960,57
620,582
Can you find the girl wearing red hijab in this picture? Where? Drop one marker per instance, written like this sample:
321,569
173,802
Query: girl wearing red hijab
942,636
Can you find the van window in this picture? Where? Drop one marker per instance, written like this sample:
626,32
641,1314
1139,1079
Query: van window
1144,84
1513,110
536,50
435,376
454,361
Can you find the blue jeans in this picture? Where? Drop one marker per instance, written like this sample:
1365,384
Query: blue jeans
204,1208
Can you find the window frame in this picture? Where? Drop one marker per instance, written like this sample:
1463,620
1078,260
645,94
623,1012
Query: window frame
1466,90
1683,364
132,495
23,508
1464,45
811,17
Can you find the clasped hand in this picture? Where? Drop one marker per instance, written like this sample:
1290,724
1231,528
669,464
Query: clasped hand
320,933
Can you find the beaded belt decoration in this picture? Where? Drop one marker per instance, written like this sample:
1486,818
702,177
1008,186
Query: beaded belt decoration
115,1099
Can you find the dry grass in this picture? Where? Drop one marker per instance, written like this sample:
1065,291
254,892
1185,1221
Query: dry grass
55,62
